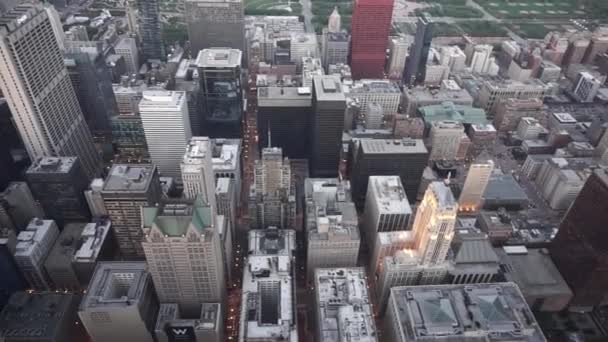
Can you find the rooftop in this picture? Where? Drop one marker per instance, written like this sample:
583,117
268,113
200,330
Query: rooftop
92,239
116,284
29,239
66,244
453,94
51,165
175,217
375,86
129,178
504,187
209,319
472,247
36,316
271,241
533,271
268,309
443,194
390,195
153,100
464,313
328,88
392,146
225,154
448,111
219,58
345,311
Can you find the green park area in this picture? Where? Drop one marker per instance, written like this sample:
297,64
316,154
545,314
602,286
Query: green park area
321,9
272,7
475,28
449,8
545,9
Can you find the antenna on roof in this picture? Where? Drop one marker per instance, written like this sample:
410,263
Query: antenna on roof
447,180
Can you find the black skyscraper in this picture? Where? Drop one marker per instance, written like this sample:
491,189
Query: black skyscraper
415,68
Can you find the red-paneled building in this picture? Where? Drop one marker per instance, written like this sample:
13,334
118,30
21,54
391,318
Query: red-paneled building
371,24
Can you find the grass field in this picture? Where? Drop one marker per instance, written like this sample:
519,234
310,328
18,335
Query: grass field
541,9
533,31
272,7
456,11
473,28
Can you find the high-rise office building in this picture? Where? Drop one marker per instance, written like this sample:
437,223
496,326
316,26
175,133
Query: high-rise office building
59,185
383,93
510,111
459,313
343,306
150,29
164,115
334,22
219,71
226,201
445,140
127,48
206,326
284,119
475,184
95,200
214,24
586,87
33,246
399,51
120,303
58,264
578,249
329,105
197,170
38,89
415,69
128,188
335,48
333,238
405,158
227,160
95,244
268,310
18,207
12,280
272,198
387,208
185,235
371,24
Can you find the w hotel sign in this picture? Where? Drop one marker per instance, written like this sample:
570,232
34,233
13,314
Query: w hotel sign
180,333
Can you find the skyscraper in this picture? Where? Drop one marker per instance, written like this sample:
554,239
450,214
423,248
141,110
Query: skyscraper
197,170
334,23
475,185
371,24
415,69
128,188
219,71
329,105
12,279
164,115
149,29
579,248
33,246
38,89
213,24
185,235
272,200
387,208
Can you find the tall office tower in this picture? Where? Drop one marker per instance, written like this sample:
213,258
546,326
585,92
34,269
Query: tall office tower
471,196
385,93
58,264
333,237
578,250
33,246
510,111
284,119
386,207
268,310
599,46
482,137
227,160
226,200
185,235
453,57
446,313
39,92
20,320
150,29
399,51
371,24
586,87
329,106
59,185
415,69
164,115
343,306
128,188
445,139
92,82
387,244
272,197
481,59
334,22
95,200
206,326
120,303
434,223
335,48
213,24
197,171
127,48
405,158
18,206
219,72
12,280
493,91
95,244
